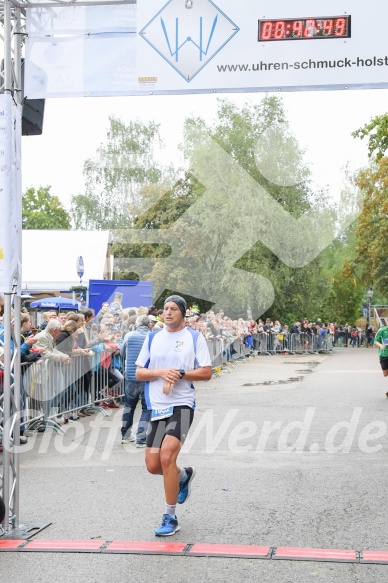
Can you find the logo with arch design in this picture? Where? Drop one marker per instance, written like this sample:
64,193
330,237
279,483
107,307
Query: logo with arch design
189,34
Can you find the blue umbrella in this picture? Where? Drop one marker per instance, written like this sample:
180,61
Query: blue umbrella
58,303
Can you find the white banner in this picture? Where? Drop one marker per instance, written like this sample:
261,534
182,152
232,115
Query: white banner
10,196
199,46
81,51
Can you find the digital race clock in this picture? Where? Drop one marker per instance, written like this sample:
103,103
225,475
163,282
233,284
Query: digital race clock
304,28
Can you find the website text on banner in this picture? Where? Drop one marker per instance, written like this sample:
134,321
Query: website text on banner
153,46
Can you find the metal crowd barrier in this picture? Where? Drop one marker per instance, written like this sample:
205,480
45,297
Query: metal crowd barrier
219,350
273,343
240,350
325,344
278,343
224,352
214,347
302,343
52,391
268,343
262,343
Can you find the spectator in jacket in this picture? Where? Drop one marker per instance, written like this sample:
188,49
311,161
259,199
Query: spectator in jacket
106,382
369,336
117,362
134,389
67,343
27,358
50,386
90,328
347,334
84,362
295,329
46,340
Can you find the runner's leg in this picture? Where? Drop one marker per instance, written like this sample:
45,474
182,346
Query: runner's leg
169,451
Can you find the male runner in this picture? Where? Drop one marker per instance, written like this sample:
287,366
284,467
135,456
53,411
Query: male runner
170,359
381,340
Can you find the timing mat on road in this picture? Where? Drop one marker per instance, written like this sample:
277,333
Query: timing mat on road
193,550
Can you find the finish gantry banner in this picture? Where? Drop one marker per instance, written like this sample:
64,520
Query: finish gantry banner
203,46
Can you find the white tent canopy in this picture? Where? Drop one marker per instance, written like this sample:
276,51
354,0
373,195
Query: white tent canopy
50,258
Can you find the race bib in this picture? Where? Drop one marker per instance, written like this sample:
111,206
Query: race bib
161,413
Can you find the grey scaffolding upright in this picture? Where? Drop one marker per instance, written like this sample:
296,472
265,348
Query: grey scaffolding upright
11,19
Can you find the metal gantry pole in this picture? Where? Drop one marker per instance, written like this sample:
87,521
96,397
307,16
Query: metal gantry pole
18,97
7,409
7,300
12,371
17,38
7,47
15,466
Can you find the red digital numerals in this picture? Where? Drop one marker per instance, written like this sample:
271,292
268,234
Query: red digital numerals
304,28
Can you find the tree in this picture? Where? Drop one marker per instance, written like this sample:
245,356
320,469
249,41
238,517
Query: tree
115,177
214,251
42,210
343,303
201,237
377,134
163,209
371,259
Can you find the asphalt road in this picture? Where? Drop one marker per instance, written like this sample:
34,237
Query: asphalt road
289,451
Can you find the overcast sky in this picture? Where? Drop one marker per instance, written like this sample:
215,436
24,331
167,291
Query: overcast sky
74,128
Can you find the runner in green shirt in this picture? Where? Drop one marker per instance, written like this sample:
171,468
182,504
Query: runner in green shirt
381,340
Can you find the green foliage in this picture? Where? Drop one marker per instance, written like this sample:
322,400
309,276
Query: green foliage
343,303
209,247
345,294
298,294
251,135
169,206
86,212
376,132
115,177
370,261
199,233
371,258
42,210
221,226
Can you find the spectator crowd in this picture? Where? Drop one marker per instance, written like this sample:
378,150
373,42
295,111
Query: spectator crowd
97,343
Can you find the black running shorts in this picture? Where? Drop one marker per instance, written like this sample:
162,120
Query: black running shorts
384,362
177,425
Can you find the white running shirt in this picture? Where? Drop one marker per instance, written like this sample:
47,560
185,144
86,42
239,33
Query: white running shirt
172,350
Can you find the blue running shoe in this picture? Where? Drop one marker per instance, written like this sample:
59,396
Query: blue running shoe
185,485
168,527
